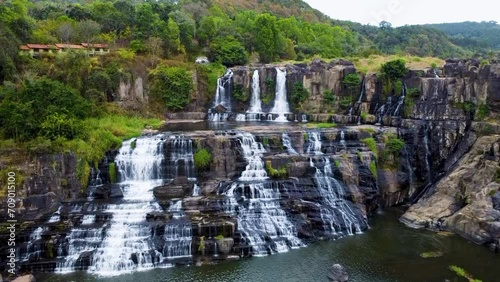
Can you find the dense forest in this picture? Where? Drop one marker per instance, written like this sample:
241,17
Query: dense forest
483,35
60,101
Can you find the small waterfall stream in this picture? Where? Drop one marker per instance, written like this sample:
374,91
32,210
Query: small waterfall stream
255,103
314,141
287,143
281,106
222,98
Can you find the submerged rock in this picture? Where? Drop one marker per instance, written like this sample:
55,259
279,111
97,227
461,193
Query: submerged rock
25,278
337,273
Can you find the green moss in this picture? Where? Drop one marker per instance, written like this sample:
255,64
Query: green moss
202,159
276,173
219,237
239,93
201,247
265,141
83,172
434,254
482,112
462,273
337,162
133,144
306,136
371,144
112,172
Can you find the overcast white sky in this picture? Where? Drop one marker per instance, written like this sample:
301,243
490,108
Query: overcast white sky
401,12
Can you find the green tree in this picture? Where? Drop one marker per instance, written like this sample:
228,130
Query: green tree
228,51
173,85
395,69
266,38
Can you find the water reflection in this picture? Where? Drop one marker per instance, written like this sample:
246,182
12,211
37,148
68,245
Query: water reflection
387,252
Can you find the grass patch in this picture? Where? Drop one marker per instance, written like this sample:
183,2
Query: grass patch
371,144
462,273
434,254
112,172
321,125
372,64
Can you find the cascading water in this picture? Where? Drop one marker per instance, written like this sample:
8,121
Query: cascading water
342,140
400,101
255,103
427,155
196,190
178,233
337,215
180,158
261,220
287,143
222,98
314,141
281,106
252,152
127,244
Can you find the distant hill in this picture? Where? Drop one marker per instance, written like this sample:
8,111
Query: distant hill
280,8
472,35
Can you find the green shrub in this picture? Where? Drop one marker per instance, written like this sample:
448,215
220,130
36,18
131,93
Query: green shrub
351,82
482,112
434,254
173,85
394,146
112,172
202,159
329,97
240,93
345,103
413,92
395,69
276,173
299,94
371,144
321,125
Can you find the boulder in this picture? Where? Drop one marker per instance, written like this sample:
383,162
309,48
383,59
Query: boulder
337,273
25,278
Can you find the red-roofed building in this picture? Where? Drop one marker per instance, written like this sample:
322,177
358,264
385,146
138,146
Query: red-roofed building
96,48
37,49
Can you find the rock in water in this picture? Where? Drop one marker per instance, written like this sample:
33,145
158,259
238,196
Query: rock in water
25,278
337,273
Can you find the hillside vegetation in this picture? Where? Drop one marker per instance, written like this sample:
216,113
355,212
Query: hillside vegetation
65,101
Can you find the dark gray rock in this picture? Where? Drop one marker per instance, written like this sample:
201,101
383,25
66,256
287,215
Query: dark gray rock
337,273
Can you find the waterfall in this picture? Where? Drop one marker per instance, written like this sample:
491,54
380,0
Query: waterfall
80,241
127,244
336,213
241,117
261,220
180,158
252,152
196,190
255,102
411,190
178,233
427,155
401,101
304,118
280,102
342,140
222,98
34,246
287,143
314,141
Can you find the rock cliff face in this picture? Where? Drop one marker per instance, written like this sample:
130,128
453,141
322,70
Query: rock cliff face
465,201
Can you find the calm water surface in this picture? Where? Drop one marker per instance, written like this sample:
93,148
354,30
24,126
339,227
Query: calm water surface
387,252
